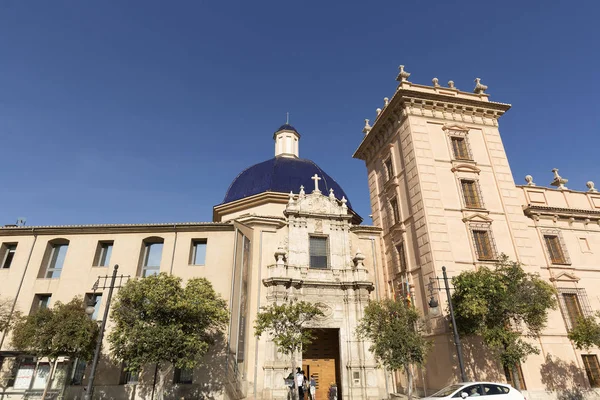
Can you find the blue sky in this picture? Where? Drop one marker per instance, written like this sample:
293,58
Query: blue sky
145,111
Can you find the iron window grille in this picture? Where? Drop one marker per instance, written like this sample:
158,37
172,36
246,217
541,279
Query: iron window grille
389,168
471,193
574,303
555,247
461,148
483,241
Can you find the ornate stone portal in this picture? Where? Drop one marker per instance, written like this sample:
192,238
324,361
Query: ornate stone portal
343,287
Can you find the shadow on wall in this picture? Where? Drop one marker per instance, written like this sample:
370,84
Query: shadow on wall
566,379
481,364
209,379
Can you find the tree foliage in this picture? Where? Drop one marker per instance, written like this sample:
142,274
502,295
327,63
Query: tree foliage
287,324
393,328
502,305
157,320
586,332
63,330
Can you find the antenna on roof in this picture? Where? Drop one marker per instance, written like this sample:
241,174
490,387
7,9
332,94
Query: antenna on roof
21,221
287,118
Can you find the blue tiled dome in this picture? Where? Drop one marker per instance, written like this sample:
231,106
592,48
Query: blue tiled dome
281,174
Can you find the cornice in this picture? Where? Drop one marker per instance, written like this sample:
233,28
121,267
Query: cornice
535,211
115,228
368,229
428,104
248,202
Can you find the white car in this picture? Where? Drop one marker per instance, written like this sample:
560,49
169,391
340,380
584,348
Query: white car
485,390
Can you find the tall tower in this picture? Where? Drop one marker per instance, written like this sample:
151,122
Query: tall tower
443,193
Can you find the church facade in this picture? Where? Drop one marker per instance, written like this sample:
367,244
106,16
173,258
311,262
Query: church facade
442,195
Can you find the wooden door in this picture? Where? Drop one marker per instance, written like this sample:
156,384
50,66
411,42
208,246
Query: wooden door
324,371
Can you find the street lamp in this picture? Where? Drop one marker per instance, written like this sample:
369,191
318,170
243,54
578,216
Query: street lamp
90,310
433,303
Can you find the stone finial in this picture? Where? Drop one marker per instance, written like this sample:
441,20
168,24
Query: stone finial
529,180
331,195
367,127
291,200
451,84
479,87
559,181
344,201
435,82
378,111
359,258
280,255
591,187
403,75
386,101
302,192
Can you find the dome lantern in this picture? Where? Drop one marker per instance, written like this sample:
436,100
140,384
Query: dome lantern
286,141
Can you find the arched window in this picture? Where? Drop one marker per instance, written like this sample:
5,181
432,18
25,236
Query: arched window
54,258
151,255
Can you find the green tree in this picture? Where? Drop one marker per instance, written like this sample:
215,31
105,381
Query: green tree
502,305
393,328
63,330
287,325
158,321
586,332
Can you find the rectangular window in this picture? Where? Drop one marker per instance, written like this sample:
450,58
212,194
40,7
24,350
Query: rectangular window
318,252
128,377
471,194
58,253
40,301
94,299
483,245
592,369
389,168
557,256
151,260
401,256
183,375
395,211
459,148
7,253
198,251
103,253
584,244
572,307
508,373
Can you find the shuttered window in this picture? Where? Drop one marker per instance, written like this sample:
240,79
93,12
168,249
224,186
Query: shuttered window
318,252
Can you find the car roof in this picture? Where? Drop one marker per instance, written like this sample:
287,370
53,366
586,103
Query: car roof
482,382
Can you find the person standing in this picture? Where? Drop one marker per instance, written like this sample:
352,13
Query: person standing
332,391
313,387
300,383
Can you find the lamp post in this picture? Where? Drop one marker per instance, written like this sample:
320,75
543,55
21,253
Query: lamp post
433,303
90,310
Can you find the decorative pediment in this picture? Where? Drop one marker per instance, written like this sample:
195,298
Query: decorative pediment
316,203
478,218
453,126
565,277
465,168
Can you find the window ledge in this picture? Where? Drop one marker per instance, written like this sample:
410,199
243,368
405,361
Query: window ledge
391,183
